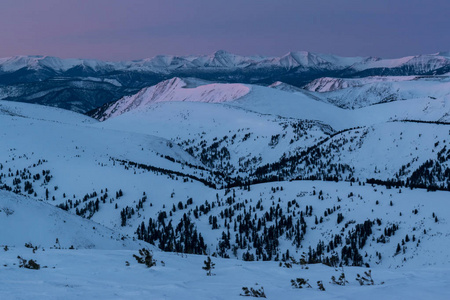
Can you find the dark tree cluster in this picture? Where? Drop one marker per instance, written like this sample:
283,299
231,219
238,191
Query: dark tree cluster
182,238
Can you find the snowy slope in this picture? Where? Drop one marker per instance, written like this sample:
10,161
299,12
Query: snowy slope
25,220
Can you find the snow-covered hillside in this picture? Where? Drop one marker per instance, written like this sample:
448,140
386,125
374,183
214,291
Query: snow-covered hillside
361,92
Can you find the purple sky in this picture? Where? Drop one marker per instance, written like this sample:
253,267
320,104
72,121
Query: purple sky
133,29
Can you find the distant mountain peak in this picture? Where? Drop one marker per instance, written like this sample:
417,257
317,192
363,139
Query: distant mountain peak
222,52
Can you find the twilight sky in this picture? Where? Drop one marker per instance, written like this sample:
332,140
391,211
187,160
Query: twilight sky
134,29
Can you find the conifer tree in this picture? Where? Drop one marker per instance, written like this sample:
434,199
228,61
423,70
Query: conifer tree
209,266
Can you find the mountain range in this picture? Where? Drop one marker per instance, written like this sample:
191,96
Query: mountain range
82,85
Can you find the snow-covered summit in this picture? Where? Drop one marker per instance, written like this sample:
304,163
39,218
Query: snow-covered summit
175,89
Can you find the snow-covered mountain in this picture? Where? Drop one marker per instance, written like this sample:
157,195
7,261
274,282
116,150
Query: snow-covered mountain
82,85
225,60
175,89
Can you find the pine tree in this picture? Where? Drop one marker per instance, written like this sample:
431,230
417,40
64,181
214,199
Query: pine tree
209,266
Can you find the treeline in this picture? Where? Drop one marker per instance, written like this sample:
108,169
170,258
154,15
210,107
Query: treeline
431,175
165,171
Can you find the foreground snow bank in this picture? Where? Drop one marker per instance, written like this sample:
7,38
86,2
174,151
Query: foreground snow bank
104,274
